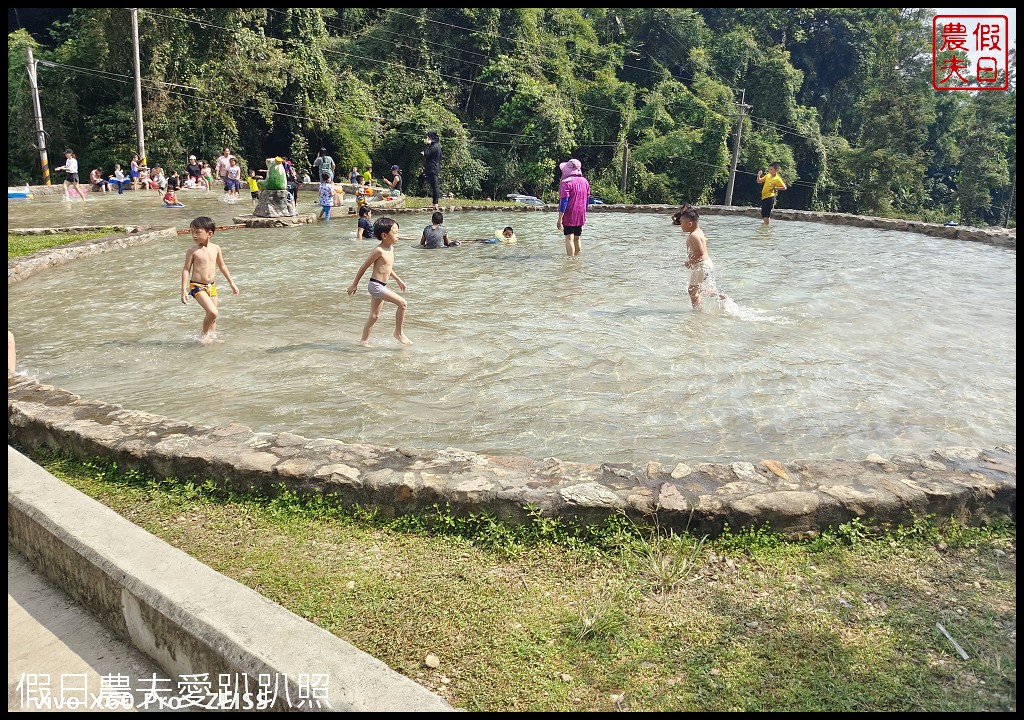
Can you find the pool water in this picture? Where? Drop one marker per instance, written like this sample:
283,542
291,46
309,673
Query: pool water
841,341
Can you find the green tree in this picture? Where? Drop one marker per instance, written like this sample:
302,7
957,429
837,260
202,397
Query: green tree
22,153
983,165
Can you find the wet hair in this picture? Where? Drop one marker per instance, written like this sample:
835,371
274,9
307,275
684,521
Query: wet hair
383,225
437,218
677,218
203,223
364,210
508,228
325,177
688,212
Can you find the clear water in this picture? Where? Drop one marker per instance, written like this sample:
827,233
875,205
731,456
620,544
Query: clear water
842,341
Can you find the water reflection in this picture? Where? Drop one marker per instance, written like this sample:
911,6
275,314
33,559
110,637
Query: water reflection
844,341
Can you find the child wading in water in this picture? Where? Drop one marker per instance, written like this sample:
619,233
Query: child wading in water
201,263
382,259
702,269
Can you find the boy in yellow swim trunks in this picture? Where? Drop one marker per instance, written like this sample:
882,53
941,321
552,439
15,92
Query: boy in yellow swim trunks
197,275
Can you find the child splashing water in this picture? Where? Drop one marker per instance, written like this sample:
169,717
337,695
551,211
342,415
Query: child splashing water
702,268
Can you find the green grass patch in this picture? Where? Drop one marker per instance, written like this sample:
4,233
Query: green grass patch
549,617
20,245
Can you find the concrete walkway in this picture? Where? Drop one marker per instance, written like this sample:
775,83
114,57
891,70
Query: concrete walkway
57,652
91,595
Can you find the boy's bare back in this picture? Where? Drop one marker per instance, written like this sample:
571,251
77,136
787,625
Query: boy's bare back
696,247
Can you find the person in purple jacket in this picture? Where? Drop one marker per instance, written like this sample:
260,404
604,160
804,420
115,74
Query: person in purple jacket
573,196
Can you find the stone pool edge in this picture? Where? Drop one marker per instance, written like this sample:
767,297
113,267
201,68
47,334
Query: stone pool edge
796,497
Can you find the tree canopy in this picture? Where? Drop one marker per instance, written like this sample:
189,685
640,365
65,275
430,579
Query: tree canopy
650,100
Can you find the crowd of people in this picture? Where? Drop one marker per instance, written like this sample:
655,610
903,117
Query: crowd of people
202,260
229,173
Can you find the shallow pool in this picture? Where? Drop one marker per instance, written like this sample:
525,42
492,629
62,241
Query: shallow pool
842,341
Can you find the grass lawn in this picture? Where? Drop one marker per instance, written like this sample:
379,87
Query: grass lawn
21,245
544,618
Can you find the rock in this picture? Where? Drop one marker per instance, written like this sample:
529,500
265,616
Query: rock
274,203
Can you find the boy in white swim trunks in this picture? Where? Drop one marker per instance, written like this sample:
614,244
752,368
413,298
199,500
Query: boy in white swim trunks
382,258
702,269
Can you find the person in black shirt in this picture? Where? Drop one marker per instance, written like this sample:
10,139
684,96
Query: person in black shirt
193,168
395,183
432,165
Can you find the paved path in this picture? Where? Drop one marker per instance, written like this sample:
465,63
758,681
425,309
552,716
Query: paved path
51,638
148,620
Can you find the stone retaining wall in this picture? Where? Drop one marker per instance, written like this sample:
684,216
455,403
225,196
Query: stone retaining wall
796,497
22,267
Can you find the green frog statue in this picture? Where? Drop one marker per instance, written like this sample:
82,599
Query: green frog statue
276,179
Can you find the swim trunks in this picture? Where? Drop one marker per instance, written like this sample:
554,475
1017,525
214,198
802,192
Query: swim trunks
702,276
209,288
766,206
377,288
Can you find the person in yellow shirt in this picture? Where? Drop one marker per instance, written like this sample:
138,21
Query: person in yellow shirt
772,184
254,185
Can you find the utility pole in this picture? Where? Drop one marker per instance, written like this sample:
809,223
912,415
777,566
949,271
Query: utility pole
38,112
625,163
1009,202
138,86
736,148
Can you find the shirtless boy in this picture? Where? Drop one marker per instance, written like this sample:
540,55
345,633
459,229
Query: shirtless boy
702,269
382,259
197,275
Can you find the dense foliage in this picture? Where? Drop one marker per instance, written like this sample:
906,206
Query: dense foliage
649,99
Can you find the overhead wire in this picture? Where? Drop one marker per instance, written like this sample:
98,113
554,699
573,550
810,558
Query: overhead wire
206,24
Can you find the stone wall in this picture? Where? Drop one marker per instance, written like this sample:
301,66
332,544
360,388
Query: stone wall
796,497
23,267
